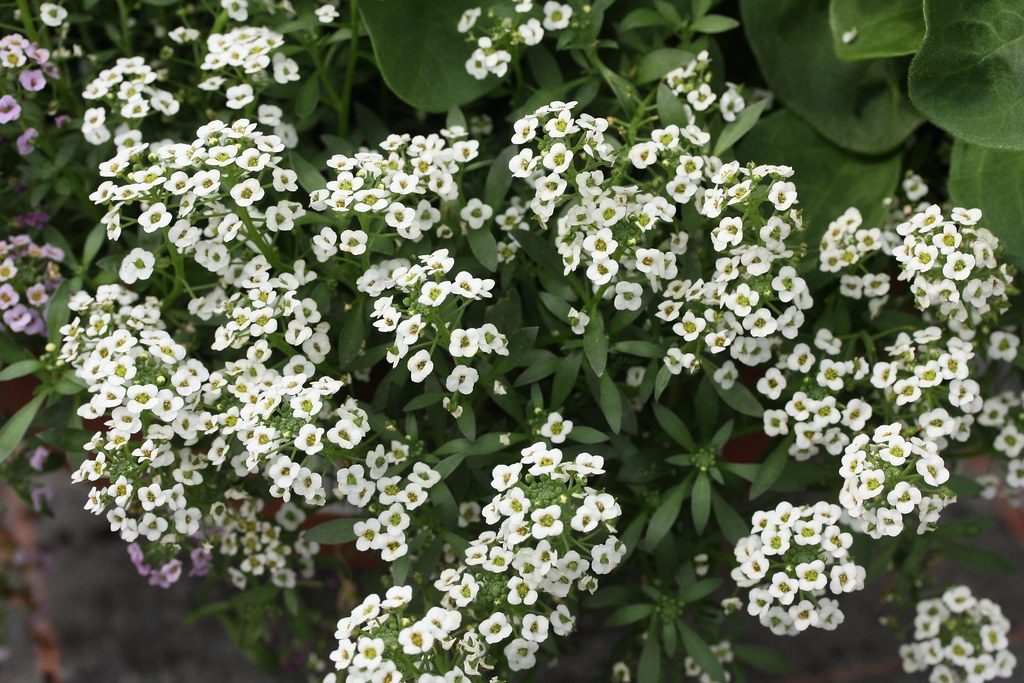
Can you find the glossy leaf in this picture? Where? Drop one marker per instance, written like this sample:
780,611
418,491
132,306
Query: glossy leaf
968,74
868,29
859,106
420,54
990,179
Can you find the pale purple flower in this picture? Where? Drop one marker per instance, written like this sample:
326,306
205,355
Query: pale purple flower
37,458
167,575
41,498
17,318
10,110
32,80
8,296
202,562
25,141
138,559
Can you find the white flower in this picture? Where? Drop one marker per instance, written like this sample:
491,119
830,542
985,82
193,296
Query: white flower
136,265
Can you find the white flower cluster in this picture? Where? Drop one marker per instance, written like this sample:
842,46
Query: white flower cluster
504,30
612,228
240,59
951,265
923,379
844,248
960,639
1003,413
128,89
160,405
794,558
396,496
693,82
887,477
403,183
508,592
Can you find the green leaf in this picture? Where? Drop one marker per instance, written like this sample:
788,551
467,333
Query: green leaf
739,398
424,400
628,615
333,532
309,177
57,311
701,653
990,179
859,106
656,63
771,468
714,23
968,74
674,427
829,179
587,435
540,250
20,369
670,109
308,97
700,590
875,28
484,247
666,514
611,403
68,439
649,666
761,658
700,502
420,54
595,344
565,378
14,429
499,178
732,525
745,120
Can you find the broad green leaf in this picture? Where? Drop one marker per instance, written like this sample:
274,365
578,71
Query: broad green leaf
14,429
829,180
670,109
990,179
333,532
68,439
656,63
700,502
714,23
732,133
868,29
420,54
20,369
484,247
859,106
968,76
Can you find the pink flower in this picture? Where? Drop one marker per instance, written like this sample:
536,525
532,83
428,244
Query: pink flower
33,80
25,141
10,110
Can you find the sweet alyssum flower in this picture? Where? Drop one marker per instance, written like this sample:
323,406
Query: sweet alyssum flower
958,637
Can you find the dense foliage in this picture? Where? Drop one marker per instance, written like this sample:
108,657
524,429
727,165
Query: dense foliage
690,317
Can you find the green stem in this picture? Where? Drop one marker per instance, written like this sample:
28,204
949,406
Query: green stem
26,20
